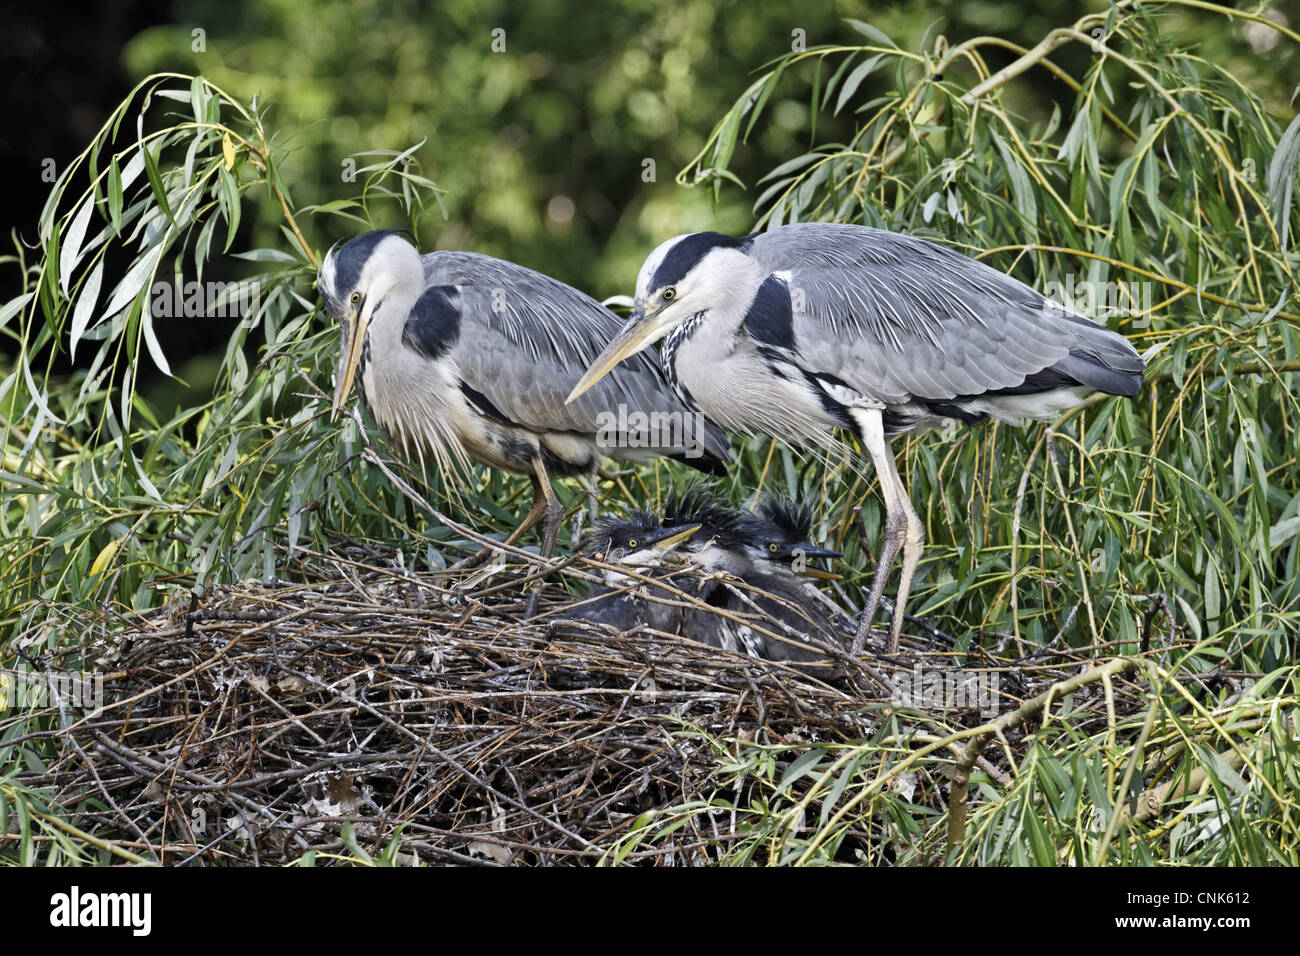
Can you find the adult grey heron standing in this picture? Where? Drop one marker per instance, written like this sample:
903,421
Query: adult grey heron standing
815,326
461,357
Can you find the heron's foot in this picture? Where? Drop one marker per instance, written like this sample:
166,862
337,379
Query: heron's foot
870,640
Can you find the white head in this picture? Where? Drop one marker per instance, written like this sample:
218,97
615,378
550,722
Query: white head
687,276
377,271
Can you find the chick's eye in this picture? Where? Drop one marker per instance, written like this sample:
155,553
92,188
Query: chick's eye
356,297
669,294
632,543
774,547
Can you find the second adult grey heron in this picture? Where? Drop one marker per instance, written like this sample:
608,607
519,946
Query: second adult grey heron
462,357
816,326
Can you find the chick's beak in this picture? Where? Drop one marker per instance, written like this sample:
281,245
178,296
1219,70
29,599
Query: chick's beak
668,538
809,552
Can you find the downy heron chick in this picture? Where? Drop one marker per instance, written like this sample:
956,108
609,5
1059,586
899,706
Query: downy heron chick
756,565
640,542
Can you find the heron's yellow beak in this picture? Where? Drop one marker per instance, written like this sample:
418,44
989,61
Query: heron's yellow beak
641,330
354,336
820,575
674,537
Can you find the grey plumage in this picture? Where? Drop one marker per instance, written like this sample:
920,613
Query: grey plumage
846,316
461,357
907,322
526,339
815,327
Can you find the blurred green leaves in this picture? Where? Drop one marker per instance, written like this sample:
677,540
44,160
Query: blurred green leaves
571,107
1162,166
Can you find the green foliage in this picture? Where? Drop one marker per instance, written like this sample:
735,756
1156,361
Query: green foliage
104,498
519,105
1168,175
1168,186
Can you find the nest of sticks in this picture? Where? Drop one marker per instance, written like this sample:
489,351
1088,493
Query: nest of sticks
263,723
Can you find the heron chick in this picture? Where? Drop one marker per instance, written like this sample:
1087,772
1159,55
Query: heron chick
773,540
814,327
461,357
641,542
750,566
758,568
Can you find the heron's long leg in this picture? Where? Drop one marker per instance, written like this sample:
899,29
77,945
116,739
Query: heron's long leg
903,529
592,490
534,515
913,546
553,512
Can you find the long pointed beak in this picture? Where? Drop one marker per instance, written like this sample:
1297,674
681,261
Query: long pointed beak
350,357
668,538
632,338
820,575
811,552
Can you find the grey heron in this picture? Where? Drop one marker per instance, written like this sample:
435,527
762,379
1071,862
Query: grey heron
462,357
814,327
773,540
751,564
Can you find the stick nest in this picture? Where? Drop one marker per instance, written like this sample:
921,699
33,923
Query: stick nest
264,723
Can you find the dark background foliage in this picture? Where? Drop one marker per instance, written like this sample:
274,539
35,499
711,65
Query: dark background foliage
540,148
1165,529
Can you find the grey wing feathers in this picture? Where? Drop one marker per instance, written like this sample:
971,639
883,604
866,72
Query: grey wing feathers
897,317
541,316
533,337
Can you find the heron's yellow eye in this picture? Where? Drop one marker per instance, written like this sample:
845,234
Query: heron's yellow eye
669,294
774,547
632,542
356,297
